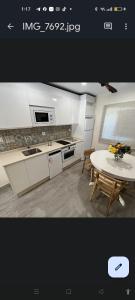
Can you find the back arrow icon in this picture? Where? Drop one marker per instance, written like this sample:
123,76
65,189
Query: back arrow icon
10,26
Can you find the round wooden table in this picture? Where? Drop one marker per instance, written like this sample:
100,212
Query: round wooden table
123,169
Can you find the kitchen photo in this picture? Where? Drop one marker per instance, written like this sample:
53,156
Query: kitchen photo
67,149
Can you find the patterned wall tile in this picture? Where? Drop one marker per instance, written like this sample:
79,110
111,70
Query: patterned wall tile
15,138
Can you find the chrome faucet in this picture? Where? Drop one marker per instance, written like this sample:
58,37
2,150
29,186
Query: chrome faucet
27,140
49,143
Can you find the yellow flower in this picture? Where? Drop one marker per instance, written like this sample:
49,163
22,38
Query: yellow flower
112,149
115,150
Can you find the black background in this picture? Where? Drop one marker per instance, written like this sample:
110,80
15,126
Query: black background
67,60
92,23
63,250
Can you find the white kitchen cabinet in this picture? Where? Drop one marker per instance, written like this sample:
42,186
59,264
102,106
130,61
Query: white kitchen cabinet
3,177
75,110
17,175
39,94
15,99
23,174
88,135
37,168
85,128
14,108
90,108
89,123
79,150
66,104
55,163
64,111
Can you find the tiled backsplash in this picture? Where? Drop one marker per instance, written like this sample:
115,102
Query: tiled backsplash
15,138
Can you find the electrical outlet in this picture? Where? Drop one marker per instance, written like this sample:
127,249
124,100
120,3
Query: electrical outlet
43,133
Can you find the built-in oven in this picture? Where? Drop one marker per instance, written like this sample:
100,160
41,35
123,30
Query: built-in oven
42,116
68,154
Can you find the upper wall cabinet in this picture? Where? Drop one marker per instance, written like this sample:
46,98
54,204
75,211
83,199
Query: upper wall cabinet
90,105
63,111
15,99
14,108
40,94
75,109
66,104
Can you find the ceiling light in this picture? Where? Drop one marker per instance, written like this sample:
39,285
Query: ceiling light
54,99
83,83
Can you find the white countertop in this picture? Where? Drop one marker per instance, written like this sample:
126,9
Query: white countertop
123,169
16,155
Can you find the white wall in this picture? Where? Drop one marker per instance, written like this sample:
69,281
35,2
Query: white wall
127,94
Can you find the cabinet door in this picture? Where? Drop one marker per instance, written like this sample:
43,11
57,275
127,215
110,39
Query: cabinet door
88,139
55,164
3,177
17,176
14,108
64,111
79,150
75,110
37,168
89,123
90,109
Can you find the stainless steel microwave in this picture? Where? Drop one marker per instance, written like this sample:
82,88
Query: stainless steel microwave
42,115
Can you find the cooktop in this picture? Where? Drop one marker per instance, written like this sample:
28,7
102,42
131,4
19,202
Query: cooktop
63,142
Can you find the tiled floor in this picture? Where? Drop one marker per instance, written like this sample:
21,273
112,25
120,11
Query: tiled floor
66,195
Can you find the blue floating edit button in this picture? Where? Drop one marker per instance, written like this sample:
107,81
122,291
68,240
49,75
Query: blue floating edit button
118,267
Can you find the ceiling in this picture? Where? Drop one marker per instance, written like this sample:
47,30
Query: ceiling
93,88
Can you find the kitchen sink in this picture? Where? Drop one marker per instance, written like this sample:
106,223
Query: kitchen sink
31,151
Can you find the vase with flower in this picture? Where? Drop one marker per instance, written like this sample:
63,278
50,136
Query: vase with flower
119,150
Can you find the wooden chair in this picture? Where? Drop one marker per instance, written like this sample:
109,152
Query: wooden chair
87,162
109,186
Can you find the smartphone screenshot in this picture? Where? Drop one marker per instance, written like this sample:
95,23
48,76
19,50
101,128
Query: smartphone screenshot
67,149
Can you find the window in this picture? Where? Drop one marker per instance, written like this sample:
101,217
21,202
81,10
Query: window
118,123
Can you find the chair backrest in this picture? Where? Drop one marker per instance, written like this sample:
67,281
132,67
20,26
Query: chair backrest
88,152
108,184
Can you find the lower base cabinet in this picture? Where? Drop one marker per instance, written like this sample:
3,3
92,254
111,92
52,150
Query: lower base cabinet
37,168
3,177
17,176
24,174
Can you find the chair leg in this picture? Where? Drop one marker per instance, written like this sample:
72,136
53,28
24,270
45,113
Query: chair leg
93,191
108,208
83,165
92,174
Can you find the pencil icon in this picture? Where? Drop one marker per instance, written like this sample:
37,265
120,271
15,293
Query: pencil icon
118,267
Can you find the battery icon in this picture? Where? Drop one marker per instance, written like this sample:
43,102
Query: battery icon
118,8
